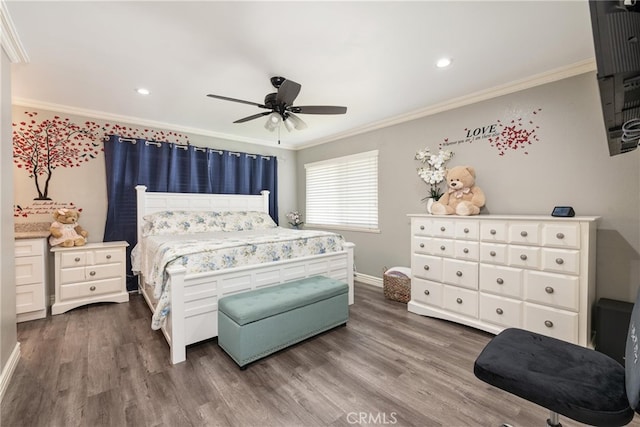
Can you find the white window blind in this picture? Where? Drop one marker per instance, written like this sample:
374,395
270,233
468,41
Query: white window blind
343,192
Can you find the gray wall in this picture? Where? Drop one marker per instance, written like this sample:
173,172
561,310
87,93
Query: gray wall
568,165
8,334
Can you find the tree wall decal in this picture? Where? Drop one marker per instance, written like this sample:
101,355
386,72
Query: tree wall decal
41,148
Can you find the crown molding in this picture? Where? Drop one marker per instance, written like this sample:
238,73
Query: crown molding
9,37
572,70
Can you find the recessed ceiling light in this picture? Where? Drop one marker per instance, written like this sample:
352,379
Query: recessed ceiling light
143,91
443,62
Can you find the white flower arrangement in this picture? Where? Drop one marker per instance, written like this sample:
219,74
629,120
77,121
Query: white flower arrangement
295,219
434,171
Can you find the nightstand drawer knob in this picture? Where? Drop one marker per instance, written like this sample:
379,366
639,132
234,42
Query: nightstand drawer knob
92,273
499,281
559,261
560,236
523,233
548,323
493,232
422,227
93,288
465,250
459,273
77,259
108,256
459,300
422,245
442,248
466,230
492,253
548,290
426,267
443,229
523,257
499,311
426,292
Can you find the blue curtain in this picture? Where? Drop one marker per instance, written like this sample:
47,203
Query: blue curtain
176,168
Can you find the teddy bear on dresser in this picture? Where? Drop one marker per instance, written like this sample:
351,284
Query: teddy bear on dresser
65,230
462,197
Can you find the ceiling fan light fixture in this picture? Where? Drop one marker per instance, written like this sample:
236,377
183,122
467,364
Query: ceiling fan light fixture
289,124
273,121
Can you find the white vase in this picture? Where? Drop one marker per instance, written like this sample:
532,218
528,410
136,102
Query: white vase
430,201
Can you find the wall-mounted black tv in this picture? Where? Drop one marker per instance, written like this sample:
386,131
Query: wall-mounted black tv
616,36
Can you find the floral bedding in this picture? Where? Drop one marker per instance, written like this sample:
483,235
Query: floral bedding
216,250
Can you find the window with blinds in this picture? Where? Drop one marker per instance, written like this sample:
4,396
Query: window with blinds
343,192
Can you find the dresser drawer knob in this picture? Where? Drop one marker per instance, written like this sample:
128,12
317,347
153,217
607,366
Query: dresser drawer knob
465,250
426,267
499,281
560,236
492,253
559,261
548,323
466,230
426,292
422,227
548,290
499,311
77,259
442,248
108,256
459,300
459,273
422,245
92,273
443,229
93,288
524,233
523,257
492,231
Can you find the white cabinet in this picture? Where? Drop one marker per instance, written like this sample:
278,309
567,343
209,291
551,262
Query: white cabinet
95,272
31,283
492,272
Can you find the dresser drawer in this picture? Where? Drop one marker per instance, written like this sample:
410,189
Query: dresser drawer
29,270
427,267
443,228
524,256
421,244
442,247
555,323
462,301
73,259
503,281
89,289
561,235
493,231
28,247
561,260
467,250
493,253
93,272
30,298
421,227
426,292
525,233
553,290
467,230
501,311
108,256
460,273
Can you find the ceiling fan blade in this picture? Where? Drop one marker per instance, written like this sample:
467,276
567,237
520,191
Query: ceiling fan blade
319,109
226,98
255,116
297,122
288,92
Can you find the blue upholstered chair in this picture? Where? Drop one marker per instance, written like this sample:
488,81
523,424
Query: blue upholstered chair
569,380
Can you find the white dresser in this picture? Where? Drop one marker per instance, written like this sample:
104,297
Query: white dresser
31,278
495,271
95,272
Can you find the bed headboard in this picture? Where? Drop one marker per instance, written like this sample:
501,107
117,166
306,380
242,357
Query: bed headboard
151,202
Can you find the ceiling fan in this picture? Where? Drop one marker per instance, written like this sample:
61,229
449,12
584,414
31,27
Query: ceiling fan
280,106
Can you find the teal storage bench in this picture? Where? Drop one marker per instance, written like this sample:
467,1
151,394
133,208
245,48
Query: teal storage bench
254,324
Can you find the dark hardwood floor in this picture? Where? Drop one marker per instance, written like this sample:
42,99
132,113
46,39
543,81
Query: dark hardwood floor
102,365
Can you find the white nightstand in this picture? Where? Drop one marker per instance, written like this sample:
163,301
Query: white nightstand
31,282
95,272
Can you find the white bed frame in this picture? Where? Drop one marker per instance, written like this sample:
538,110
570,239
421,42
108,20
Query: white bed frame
194,297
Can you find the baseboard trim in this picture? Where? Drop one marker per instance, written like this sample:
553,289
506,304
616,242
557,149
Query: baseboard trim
369,280
8,369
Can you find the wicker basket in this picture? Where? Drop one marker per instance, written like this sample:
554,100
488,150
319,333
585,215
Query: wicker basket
396,286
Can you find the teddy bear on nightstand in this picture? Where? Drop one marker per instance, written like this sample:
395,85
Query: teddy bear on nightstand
463,196
65,230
